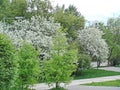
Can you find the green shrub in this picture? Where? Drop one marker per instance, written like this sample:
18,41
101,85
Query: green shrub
8,63
28,66
84,61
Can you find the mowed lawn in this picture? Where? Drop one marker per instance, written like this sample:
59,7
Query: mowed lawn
93,73
115,83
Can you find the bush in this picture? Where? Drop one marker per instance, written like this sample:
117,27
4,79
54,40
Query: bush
8,63
84,62
28,66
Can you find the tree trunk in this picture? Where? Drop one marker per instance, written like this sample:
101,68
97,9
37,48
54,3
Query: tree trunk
110,53
98,63
57,85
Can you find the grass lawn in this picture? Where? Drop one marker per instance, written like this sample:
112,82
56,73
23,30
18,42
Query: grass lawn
92,73
115,83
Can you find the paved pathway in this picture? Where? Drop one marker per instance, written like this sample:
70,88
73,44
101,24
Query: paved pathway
92,88
75,84
99,79
78,82
116,69
94,64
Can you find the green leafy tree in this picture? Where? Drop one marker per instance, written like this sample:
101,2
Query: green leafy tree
70,19
9,11
61,65
72,10
112,36
114,26
8,64
25,9
40,7
28,66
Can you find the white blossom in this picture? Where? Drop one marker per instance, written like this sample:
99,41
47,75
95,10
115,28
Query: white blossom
38,31
93,44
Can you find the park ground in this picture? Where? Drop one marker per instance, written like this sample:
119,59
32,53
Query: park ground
78,84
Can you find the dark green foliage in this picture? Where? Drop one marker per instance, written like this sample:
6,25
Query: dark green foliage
20,9
115,57
84,61
8,63
72,10
28,66
9,11
114,47
70,19
112,36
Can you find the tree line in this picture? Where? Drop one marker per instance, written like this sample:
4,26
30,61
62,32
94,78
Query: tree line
41,43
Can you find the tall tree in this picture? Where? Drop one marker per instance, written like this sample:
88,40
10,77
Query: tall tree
37,31
10,10
16,9
112,36
93,44
71,21
72,10
40,7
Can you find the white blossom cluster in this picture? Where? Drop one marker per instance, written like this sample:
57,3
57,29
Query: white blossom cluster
93,44
37,31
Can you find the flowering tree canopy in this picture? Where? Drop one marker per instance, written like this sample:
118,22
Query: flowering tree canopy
93,44
37,31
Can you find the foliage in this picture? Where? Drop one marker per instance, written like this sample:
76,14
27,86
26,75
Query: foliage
28,66
115,83
8,63
59,43
72,10
93,44
69,20
40,7
115,57
112,36
84,61
59,69
93,73
9,11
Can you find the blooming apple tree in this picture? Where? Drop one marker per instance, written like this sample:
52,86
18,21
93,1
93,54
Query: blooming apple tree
37,31
93,44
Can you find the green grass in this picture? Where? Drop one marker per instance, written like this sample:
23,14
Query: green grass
93,73
115,83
